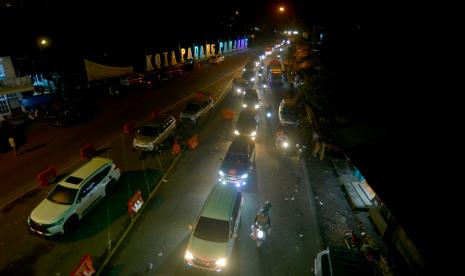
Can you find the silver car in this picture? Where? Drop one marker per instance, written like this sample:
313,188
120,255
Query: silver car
196,109
151,135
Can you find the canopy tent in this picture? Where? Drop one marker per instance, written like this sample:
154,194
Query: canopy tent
96,71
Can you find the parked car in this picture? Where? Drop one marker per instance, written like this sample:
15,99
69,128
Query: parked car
247,124
240,85
238,163
196,109
216,59
288,113
132,80
333,262
189,64
250,99
73,197
151,135
155,78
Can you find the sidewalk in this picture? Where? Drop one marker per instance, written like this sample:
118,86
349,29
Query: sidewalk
342,212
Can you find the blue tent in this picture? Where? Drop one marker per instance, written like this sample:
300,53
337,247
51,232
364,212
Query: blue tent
40,99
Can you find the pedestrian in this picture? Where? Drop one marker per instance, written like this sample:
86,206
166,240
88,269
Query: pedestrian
12,142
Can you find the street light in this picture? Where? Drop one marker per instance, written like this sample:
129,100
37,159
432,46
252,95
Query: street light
43,42
282,9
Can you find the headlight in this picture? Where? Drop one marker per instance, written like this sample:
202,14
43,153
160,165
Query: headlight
265,86
259,234
221,173
252,79
253,133
239,90
259,74
257,106
236,132
285,144
221,262
257,63
262,67
244,176
244,69
188,255
244,105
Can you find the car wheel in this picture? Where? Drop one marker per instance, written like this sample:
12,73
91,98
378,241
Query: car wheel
71,224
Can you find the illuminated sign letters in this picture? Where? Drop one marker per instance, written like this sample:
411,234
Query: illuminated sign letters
202,55
173,58
230,46
213,49
189,53
165,55
207,48
196,52
158,61
148,59
183,52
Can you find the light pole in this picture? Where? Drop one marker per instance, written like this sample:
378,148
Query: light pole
43,42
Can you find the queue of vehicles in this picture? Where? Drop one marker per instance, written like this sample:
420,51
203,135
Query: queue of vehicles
212,239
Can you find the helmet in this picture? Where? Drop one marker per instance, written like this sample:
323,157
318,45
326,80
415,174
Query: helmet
267,205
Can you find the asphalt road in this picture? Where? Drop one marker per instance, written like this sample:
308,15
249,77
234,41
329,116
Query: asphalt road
23,254
157,244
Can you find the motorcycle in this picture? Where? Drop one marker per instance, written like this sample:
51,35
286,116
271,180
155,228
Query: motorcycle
262,225
259,233
282,144
268,113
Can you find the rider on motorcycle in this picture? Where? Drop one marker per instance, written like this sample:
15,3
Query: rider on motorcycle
263,217
281,139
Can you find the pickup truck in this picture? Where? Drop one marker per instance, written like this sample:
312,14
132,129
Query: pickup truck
338,262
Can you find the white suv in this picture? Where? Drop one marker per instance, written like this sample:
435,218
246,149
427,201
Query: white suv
73,197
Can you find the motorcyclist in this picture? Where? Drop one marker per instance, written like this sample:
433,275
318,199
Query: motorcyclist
263,217
281,139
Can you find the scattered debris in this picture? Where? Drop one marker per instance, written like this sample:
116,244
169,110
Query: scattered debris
286,198
292,198
160,254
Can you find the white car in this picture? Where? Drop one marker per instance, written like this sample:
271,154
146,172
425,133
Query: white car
216,59
73,197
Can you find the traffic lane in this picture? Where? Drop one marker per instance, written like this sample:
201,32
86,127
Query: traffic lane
295,234
290,244
135,105
165,228
16,231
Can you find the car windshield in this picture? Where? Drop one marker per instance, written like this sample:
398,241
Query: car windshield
213,230
62,195
250,97
74,180
192,107
148,131
234,158
289,113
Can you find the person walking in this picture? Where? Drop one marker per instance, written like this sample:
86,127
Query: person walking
12,142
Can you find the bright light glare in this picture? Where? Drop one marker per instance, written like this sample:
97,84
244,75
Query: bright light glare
281,9
188,255
236,132
221,262
285,144
260,234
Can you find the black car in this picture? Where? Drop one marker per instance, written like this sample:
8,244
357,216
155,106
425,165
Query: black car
239,162
155,78
189,64
250,99
247,124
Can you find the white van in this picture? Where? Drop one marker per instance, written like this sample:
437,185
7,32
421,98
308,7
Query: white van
212,241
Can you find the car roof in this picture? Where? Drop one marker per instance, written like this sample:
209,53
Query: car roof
220,202
239,144
247,118
86,170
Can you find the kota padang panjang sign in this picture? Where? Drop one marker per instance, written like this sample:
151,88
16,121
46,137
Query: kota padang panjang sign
228,46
